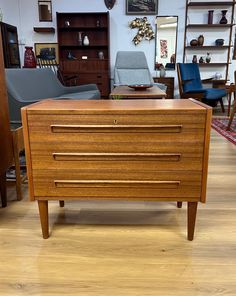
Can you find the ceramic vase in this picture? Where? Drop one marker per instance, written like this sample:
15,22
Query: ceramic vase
210,17
100,55
162,72
80,40
200,40
201,60
29,58
208,57
194,60
86,40
223,20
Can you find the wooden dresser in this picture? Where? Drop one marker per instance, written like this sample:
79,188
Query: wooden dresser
117,149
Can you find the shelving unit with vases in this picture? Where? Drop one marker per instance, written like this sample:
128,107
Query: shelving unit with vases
84,47
199,22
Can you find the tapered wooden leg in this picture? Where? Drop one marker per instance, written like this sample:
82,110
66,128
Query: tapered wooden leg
18,176
61,203
222,105
43,213
192,212
3,189
232,114
179,204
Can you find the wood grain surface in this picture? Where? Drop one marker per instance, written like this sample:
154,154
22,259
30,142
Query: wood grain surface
123,248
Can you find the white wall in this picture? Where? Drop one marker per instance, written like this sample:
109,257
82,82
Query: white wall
24,14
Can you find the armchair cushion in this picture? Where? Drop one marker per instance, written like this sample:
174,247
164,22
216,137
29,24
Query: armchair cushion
214,93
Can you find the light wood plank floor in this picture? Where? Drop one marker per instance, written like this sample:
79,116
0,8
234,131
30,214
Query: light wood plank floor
111,248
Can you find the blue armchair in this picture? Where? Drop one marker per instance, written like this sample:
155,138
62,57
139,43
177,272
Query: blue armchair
131,68
190,86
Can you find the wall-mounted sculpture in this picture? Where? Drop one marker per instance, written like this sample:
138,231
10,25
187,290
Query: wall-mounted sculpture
144,30
109,3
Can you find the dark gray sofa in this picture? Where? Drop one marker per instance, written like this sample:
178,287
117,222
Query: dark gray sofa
26,86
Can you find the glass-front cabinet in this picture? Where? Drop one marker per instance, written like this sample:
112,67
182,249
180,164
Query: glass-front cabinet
10,46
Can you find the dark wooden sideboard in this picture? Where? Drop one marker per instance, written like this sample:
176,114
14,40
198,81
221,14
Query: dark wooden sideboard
169,82
152,150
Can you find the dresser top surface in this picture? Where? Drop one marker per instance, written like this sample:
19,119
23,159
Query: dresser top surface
109,106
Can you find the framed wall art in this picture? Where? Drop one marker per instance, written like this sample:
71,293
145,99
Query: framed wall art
144,7
47,51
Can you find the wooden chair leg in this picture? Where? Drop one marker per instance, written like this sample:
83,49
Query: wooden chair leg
192,212
43,213
179,204
222,105
61,203
3,189
231,115
18,176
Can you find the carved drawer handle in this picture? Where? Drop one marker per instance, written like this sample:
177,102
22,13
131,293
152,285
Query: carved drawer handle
61,128
117,156
116,183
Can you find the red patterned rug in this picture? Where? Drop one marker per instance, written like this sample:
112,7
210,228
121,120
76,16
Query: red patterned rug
220,124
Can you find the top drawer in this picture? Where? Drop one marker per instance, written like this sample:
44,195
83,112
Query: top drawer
116,133
189,121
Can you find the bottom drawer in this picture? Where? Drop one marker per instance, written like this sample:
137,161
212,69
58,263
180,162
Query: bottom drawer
164,185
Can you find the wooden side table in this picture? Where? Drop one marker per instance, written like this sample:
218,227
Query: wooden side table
169,82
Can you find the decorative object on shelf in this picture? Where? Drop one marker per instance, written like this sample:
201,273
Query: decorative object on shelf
223,20
45,10
200,40
208,57
210,17
70,56
29,58
144,30
109,3
162,71
101,55
67,24
201,60
217,75
219,42
194,42
142,7
194,60
80,40
85,41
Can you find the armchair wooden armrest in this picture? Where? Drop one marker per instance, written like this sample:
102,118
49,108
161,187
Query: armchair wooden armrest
207,80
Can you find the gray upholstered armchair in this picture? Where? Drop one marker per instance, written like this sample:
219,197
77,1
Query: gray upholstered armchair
131,68
26,86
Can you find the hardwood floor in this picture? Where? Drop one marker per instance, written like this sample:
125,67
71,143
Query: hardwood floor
124,248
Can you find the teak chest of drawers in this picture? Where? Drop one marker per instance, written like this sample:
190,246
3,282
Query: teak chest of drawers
117,149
